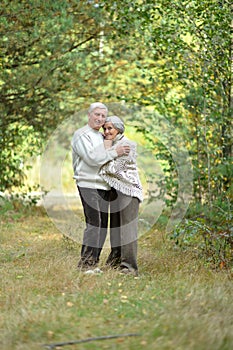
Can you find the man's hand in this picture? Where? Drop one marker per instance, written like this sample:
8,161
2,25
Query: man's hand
122,150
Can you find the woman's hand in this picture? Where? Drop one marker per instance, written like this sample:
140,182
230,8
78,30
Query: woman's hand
107,143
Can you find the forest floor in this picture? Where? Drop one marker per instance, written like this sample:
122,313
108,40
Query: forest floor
175,303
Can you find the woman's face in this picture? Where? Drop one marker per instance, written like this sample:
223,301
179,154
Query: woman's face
109,131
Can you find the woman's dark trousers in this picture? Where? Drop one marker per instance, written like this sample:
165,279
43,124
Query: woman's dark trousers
123,230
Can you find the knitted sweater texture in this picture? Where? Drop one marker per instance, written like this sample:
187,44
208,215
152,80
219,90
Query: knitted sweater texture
88,155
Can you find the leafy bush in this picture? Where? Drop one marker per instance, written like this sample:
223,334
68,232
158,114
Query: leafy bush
19,202
211,236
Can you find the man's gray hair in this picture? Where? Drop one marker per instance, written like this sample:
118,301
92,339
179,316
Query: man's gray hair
95,105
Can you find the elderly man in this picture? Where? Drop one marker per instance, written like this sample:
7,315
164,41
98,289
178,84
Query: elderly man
89,154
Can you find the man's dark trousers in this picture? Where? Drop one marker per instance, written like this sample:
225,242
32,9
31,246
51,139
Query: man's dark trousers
95,206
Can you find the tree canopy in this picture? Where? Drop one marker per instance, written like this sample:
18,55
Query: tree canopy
172,59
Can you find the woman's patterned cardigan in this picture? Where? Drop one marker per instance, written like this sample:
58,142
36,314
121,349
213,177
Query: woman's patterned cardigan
121,173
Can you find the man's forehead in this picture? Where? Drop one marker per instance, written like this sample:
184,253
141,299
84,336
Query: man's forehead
100,110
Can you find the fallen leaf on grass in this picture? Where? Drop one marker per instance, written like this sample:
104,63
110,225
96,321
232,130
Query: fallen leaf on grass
143,342
69,304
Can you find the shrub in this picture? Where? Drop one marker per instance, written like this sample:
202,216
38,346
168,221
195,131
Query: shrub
210,235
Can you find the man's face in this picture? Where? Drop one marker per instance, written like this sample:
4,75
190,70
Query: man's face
96,118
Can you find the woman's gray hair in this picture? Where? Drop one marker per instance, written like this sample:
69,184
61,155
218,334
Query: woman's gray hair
95,105
116,122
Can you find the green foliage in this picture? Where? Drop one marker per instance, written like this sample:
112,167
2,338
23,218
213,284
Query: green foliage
49,52
19,142
20,203
168,146
172,58
191,45
209,234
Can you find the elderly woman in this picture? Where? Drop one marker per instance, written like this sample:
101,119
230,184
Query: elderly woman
126,194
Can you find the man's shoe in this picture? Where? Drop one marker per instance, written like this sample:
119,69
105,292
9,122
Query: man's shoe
126,271
93,272
86,264
113,263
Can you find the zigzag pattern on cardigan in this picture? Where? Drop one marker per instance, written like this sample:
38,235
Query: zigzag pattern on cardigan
121,173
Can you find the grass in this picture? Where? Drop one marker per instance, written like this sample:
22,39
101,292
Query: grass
175,303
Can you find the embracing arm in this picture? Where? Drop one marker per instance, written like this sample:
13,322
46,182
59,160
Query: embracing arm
83,146
121,149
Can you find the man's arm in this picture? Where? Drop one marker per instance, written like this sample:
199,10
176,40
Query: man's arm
121,149
83,146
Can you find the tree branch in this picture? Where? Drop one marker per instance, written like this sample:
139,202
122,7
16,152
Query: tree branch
72,342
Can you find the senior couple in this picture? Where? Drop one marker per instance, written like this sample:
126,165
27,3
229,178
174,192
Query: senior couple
107,179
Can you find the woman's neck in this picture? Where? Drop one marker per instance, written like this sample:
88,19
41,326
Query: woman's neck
117,138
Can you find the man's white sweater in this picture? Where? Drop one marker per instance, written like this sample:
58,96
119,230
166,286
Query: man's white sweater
89,154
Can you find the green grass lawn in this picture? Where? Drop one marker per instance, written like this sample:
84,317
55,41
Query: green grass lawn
175,303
